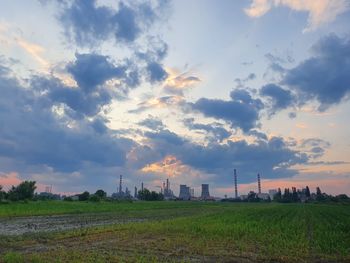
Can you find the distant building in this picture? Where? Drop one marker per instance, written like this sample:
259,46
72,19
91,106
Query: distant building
263,196
192,192
205,192
243,197
272,193
184,192
167,192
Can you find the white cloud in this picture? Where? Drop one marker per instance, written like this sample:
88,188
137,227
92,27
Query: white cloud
320,11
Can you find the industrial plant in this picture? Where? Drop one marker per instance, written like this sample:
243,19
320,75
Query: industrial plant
187,193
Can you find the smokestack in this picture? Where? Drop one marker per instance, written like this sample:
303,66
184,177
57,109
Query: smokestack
135,193
142,186
120,184
235,178
167,184
259,184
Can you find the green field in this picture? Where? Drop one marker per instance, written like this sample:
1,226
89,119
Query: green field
187,232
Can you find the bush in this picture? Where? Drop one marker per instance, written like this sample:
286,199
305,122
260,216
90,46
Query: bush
94,198
23,191
84,196
68,198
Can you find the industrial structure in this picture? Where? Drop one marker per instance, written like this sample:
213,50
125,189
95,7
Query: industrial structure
205,192
259,184
184,192
235,181
120,194
167,192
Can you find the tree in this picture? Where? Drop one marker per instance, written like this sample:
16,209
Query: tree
287,196
94,198
2,193
23,191
307,192
278,196
318,191
101,194
84,196
319,195
295,197
146,195
252,197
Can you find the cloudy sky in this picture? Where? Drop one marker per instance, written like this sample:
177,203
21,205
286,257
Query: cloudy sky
184,89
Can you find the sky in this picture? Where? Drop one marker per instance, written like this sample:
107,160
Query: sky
187,90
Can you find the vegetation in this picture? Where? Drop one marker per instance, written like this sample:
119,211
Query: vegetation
147,195
23,191
304,195
195,231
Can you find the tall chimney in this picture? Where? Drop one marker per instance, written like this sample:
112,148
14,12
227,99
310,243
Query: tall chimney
120,184
142,186
235,179
259,184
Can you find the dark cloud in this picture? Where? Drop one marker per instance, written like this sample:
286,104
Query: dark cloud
325,76
215,130
242,111
76,101
165,136
271,157
279,98
87,23
91,70
36,135
152,123
258,134
156,72
292,115
315,147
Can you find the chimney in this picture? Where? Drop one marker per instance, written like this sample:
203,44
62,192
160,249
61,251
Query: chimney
235,179
259,184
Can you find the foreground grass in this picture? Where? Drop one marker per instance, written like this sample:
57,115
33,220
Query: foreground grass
213,233
61,207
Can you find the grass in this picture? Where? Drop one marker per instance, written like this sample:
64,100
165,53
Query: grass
212,232
61,207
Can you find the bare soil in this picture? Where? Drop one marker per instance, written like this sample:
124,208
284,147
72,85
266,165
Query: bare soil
36,224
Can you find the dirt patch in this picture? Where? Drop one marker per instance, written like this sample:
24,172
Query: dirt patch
36,224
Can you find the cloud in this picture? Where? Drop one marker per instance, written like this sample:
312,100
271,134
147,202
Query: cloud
323,77
91,70
36,135
87,23
314,147
272,157
158,103
320,12
242,111
279,98
169,166
177,82
214,130
34,50
156,72
152,123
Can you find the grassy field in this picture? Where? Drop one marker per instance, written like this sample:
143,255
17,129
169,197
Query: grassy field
188,232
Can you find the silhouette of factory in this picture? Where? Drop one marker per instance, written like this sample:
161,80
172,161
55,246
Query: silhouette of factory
186,193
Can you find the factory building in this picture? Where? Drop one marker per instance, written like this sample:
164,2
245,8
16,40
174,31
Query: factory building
272,193
184,192
167,192
205,192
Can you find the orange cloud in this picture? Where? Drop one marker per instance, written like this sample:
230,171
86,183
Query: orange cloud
34,50
169,166
7,180
176,82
